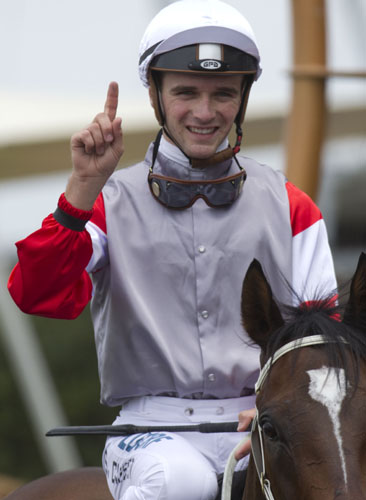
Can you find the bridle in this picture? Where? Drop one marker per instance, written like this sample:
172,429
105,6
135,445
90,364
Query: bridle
257,432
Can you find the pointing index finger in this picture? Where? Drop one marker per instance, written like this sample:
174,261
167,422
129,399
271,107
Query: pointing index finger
111,103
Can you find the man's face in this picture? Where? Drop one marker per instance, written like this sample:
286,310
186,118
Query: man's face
200,110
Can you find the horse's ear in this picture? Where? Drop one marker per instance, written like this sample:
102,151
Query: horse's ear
355,312
260,313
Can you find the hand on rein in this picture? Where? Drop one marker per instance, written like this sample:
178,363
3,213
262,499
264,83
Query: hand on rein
245,418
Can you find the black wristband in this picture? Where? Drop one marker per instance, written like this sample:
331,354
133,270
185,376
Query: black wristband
68,220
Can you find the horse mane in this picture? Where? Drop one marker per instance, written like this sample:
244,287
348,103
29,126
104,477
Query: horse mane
322,316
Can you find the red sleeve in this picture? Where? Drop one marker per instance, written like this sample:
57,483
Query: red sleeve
303,211
50,278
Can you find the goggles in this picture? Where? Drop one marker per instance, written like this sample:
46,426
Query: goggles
180,194
177,193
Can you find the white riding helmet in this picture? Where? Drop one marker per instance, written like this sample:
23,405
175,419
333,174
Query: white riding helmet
190,22
200,37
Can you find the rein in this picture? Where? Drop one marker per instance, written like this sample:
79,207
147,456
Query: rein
257,433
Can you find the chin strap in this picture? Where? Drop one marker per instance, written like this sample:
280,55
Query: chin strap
218,157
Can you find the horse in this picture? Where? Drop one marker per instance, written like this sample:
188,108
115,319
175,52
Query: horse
309,434
87,483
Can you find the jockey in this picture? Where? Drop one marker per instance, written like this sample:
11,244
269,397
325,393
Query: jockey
161,248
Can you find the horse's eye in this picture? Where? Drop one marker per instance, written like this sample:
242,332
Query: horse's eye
269,430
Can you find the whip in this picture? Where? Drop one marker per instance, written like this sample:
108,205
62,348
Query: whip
128,429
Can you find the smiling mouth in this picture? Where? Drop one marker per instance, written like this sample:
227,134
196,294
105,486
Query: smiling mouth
202,131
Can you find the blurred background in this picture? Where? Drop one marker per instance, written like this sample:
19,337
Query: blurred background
57,59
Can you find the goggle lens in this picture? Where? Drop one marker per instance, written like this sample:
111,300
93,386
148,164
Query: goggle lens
176,193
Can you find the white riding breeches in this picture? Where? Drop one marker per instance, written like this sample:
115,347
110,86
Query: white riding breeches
171,466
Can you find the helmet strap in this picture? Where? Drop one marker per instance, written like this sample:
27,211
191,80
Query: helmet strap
218,157
154,90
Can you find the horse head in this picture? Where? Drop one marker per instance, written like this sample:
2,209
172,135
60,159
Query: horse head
311,403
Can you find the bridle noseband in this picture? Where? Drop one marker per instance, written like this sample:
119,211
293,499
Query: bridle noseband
257,433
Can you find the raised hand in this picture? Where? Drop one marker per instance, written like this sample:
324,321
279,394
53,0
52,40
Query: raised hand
95,153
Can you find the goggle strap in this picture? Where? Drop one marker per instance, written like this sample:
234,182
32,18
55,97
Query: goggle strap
156,148
211,182
166,132
239,137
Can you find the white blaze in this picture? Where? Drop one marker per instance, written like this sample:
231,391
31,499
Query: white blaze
328,387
